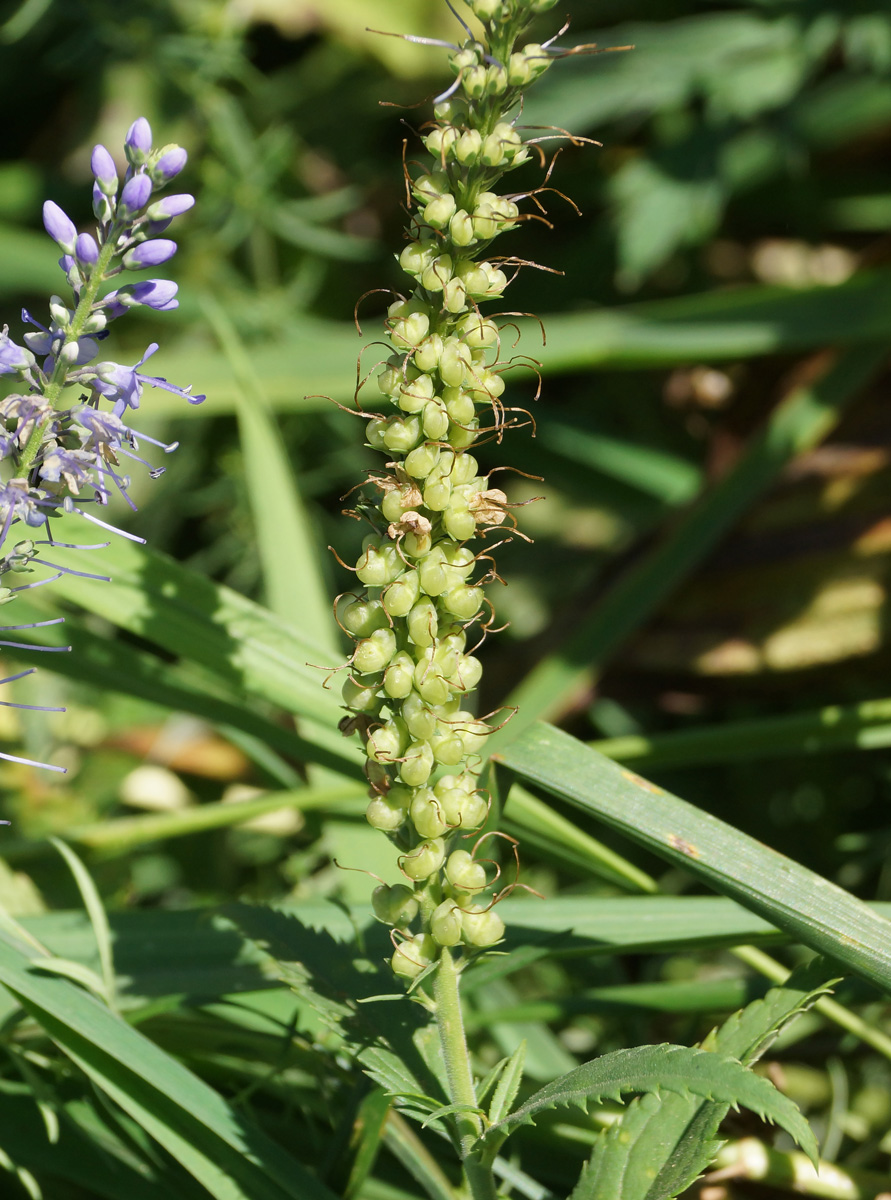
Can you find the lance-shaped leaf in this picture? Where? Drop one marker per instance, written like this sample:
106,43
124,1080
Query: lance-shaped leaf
680,1069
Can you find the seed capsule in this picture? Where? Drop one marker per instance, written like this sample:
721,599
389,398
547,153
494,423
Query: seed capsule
425,860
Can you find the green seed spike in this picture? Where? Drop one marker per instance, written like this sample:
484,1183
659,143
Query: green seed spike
413,670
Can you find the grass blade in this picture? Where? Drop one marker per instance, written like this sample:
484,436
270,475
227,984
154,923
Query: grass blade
806,906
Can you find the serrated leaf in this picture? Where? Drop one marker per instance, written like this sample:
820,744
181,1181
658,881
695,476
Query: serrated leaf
680,1069
508,1084
663,1143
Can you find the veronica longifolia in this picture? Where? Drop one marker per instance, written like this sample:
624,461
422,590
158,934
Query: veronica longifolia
56,458
421,607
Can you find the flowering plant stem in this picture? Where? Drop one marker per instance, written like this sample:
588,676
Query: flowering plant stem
450,1023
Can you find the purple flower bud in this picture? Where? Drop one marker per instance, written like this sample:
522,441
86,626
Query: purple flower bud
104,170
13,358
149,254
170,206
86,250
59,226
138,142
153,228
168,165
101,204
156,293
159,294
134,196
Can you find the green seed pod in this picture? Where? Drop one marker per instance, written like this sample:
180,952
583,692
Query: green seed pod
437,493
428,352
445,924
454,296
387,742
454,362
460,809
496,80
465,468
399,596
420,719
481,927
469,145
474,84
448,747
399,676
461,228
385,813
464,873
402,434
436,421
467,674
439,212
413,956
425,860
437,275
462,436
459,405
374,433
459,521
430,187
426,814
362,616
422,621
360,698
465,58
463,601
417,765
474,278
373,653
486,10
421,461
431,683
460,557
379,564
417,256
473,733
394,905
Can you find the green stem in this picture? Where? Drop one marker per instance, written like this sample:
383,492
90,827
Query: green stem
82,314
478,1174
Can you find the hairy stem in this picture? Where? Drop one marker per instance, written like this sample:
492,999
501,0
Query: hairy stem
478,1174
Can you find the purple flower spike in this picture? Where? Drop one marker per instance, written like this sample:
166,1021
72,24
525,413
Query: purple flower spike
86,250
138,142
104,171
149,254
135,196
59,226
170,206
168,165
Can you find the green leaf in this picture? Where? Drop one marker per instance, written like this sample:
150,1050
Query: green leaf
231,1157
286,542
806,906
676,1136
508,1084
366,1139
865,726
242,644
98,918
680,1069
